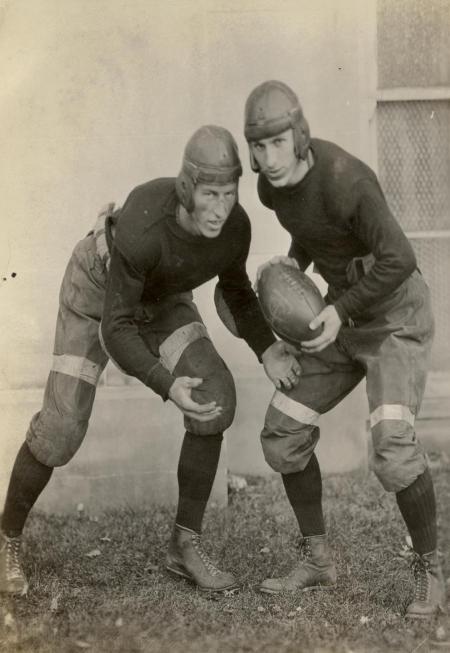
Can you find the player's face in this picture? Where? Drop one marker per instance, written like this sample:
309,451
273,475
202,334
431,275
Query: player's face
277,159
212,206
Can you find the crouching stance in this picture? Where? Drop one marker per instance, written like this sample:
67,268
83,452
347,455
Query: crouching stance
127,296
377,323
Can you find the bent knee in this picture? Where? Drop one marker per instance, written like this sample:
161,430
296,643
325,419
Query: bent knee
218,388
288,454
289,451
53,439
398,459
289,435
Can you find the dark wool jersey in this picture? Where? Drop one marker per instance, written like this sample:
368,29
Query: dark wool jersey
335,214
153,257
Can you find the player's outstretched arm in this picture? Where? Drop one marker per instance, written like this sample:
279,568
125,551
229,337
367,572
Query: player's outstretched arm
281,365
180,394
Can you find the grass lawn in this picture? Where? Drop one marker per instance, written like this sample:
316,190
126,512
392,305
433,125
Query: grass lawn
98,583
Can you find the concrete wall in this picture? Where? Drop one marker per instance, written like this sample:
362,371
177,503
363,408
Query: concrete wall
101,95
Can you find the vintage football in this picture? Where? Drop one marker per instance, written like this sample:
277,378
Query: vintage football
289,300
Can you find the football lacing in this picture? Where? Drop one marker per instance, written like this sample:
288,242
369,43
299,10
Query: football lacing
300,291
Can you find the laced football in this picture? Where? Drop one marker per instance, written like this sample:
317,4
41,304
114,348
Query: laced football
289,300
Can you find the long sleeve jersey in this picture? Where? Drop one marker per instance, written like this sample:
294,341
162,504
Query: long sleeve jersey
153,257
335,214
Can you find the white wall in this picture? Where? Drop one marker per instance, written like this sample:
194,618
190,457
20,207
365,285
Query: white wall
101,95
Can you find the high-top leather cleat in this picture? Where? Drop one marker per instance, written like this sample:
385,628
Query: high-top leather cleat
187,559
12,578
315,570
430,594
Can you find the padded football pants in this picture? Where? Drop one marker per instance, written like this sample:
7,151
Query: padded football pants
391,348
173,330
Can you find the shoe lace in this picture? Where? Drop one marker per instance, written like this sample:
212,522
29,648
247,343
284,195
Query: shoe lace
13,567
304,546
204,556
421,569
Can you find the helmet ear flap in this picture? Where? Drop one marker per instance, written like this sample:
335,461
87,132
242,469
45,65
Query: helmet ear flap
301,139
253,164
185,190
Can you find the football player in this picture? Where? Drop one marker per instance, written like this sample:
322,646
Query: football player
377,324
133,277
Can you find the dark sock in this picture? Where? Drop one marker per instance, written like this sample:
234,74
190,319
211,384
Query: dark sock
417,504
197,468
304,491
28,478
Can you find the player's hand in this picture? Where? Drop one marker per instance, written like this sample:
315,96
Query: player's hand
286,260
331,325
180,394
281,365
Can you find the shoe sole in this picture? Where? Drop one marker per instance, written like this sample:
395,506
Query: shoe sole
312,588
22,592
440,610
182,574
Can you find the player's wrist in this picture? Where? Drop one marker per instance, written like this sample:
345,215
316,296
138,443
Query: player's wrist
268,352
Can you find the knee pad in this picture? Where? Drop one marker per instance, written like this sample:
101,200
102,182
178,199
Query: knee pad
287,453
288,441
201,360
53,439
190,352
398,457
